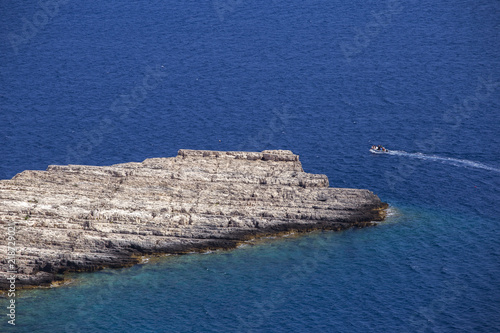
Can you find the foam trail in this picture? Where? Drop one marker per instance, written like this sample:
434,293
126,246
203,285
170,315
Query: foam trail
450,160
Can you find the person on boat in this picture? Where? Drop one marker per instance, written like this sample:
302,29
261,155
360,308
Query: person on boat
379,148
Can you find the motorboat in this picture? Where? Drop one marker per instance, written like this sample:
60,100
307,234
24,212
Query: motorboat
378,149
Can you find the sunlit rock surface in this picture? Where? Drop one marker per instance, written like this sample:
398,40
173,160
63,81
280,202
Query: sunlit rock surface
84,218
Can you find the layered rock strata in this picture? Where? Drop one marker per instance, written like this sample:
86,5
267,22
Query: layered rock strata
84,218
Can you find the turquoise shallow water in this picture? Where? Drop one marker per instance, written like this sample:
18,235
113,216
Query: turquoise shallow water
326,79
406,274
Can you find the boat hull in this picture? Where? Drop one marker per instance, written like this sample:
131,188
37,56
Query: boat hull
376,151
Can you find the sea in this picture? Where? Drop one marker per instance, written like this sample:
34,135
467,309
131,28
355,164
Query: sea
100,83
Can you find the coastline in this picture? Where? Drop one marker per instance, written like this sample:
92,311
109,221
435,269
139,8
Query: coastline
196,202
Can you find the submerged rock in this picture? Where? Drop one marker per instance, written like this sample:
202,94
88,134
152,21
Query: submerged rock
84,218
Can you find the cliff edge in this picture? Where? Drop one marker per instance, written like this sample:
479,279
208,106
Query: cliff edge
84,218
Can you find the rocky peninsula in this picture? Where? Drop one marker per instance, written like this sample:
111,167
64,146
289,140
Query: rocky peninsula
84,218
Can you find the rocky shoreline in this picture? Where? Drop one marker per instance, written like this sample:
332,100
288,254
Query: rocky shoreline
83,218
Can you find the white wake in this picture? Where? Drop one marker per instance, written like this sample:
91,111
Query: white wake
453,161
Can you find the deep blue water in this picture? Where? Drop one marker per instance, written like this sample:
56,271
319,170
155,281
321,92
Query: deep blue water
88,83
